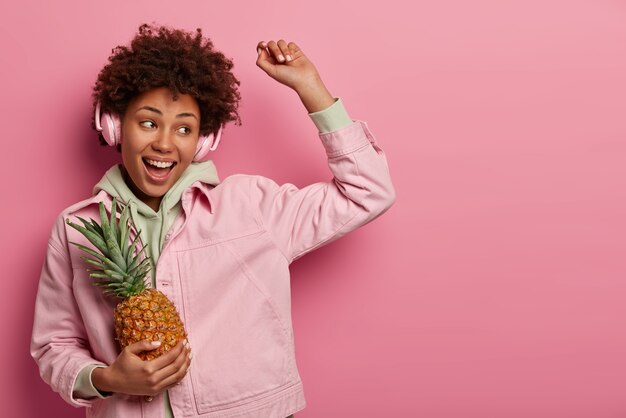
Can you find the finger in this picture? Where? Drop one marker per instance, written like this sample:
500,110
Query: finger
261,48
180,375
169,357
174,366
275,51
294,49
265,61
143,345
174,376
284,49
178,379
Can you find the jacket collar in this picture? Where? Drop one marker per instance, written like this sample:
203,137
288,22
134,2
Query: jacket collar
204,189
186,198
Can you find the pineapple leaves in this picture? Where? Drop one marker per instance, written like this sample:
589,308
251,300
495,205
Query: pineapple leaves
96,227
124,232
103,268
135,259
104,219
130,259
141,269
113,220
102,259
93,237
118,263
110,236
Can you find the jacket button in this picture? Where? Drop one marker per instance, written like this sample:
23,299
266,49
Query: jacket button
148,398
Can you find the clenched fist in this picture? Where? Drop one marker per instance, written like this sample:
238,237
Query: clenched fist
287,64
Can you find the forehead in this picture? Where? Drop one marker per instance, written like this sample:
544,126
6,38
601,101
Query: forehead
163,99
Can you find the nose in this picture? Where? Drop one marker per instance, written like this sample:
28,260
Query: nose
164,142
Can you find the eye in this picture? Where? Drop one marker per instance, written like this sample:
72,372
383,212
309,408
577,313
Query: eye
184,130
148,124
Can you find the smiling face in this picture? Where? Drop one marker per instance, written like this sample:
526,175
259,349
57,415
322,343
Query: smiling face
159,138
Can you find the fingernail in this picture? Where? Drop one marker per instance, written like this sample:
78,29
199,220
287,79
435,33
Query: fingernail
281,58
289,58
190,356
156,343
258,51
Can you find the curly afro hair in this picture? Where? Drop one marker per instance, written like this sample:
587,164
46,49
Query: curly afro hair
184,62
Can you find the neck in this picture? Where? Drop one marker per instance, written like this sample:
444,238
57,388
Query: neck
153,202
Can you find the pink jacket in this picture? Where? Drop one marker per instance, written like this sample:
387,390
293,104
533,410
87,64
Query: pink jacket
225,264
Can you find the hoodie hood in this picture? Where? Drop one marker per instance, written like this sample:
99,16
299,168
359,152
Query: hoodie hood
155,225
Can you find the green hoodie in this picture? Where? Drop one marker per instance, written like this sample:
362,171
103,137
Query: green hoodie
154,225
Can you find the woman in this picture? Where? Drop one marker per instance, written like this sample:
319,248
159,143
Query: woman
221,250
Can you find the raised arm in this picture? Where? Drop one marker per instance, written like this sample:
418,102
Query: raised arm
301,220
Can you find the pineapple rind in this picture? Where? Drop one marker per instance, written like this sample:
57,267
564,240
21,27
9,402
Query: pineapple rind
149,315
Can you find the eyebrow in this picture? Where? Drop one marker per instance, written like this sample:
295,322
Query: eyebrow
155,110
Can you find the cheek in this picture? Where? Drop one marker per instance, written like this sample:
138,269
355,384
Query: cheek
189,150
131,158
126,154
132,145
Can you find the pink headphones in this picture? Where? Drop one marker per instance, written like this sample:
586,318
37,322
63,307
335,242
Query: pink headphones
110,126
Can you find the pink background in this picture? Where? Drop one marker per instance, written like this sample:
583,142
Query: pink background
496,285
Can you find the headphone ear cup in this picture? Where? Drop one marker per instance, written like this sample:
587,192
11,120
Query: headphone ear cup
111,128
204,145
207,143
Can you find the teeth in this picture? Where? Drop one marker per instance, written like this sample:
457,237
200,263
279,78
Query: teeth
159,164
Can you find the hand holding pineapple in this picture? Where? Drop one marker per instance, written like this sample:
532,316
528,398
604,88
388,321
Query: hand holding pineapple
131,375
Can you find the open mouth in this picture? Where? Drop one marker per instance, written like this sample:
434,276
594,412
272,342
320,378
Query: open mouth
159,170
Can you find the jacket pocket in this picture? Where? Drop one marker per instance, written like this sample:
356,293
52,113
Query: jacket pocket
241,347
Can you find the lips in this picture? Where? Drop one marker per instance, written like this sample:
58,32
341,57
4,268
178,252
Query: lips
158,170
158,163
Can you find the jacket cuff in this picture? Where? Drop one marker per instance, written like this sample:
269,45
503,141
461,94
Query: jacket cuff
83,386
347,140
332,118
68,380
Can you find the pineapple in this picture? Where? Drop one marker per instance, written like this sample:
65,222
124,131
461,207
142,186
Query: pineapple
120,268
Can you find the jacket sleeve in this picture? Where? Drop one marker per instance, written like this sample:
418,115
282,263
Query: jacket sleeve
301,220
59,343
83,386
